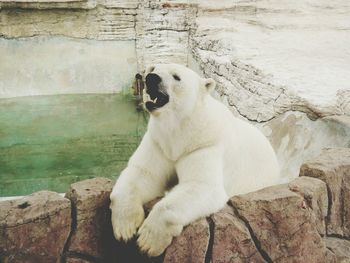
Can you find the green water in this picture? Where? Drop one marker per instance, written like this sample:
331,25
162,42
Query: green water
48,142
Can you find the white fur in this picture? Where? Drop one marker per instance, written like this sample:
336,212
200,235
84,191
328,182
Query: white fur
196,138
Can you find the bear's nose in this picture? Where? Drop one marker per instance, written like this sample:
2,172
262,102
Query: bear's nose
152,80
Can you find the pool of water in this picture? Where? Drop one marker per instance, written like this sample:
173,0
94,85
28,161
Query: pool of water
48,142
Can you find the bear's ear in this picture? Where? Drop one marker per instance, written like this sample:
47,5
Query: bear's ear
209,84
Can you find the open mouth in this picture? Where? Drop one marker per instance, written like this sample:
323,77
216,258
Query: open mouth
155,100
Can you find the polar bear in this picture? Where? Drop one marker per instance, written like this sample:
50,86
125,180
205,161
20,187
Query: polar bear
195,140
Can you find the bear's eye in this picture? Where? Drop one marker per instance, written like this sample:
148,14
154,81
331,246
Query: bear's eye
176,77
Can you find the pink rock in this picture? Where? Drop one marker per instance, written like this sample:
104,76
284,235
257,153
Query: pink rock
339,247
34,229
333,167
92,234
282,224
330,257
191,246
77,260
314,192
232,241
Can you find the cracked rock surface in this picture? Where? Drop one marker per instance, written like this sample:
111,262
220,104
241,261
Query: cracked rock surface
34,228
191,246
232,241
257,53
91,234
315,195
340,248
282,225
77,260
333,167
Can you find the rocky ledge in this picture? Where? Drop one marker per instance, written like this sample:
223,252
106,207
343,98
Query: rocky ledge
307,220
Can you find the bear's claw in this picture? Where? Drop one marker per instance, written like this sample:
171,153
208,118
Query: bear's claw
155,235
126,221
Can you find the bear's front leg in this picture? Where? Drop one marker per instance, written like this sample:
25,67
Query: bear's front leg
143,180
199,193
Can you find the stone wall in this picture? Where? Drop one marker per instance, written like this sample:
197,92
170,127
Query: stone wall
246,46
51,65
87,46
160,29
63,47
276,66
306,220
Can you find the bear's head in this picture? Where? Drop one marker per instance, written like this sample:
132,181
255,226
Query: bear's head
174,87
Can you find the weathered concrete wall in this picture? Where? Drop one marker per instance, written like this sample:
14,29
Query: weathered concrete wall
255,50
100,23
163,31
127,32
278,65
273,56
66,47
56,65
306,220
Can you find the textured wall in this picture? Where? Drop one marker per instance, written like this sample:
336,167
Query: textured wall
128,32
283,66
270,57
99,23
66,47
56,65
163,32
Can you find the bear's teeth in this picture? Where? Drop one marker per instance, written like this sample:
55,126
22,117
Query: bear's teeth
146,97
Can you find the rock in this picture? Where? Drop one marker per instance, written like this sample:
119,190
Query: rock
77,260
169,22
330,257
34,228
266,89
282,225
117,24
314,192
333,167
232,241
340,248
191,246
93,234
262,85
292,149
